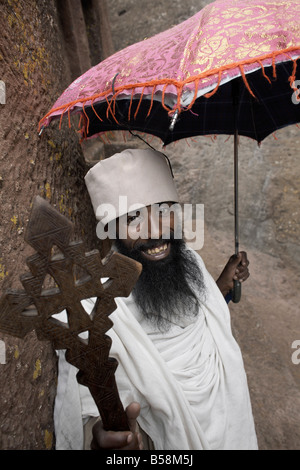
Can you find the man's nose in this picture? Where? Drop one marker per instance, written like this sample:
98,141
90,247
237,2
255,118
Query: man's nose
154,226
151,226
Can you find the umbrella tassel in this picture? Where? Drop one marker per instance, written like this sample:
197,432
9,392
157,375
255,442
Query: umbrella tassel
163,99
246,81
151,103
130,105
110,110
87,122
92,105
60,121
195,95
139,104
292,78
208,95
69,118
274,66
263,71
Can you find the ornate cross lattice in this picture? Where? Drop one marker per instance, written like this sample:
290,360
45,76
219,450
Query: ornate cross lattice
35,307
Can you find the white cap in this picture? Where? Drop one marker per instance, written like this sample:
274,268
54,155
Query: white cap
143,176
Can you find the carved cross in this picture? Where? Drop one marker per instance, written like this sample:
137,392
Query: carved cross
77,276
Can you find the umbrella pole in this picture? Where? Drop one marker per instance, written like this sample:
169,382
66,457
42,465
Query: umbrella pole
236,194
237,287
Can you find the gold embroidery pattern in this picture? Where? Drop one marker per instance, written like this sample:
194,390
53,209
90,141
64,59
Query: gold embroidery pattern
226,36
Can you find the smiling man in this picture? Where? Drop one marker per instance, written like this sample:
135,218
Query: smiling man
180,376
171,282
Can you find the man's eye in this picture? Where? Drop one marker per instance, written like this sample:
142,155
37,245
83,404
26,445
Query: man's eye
133,219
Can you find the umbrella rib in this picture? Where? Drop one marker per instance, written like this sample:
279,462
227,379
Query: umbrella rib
262,103
253,119
251,107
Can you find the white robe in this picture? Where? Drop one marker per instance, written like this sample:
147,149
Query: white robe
190,381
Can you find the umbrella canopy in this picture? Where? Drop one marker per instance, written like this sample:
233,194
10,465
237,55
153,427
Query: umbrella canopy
229,69
186,73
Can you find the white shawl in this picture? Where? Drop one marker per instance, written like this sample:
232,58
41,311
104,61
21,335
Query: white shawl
190,381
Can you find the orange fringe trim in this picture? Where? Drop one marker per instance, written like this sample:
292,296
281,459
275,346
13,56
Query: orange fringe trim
292,80
179,86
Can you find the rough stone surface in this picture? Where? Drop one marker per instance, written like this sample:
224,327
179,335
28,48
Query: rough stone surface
34,67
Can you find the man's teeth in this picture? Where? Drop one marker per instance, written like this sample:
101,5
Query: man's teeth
159,249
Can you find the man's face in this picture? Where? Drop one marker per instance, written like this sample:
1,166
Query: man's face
171,281
148,230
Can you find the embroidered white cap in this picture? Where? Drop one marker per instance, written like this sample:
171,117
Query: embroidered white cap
142,176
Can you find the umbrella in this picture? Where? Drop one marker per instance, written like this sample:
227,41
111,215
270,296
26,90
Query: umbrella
229,69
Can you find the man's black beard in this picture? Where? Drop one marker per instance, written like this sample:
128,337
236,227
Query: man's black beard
169,289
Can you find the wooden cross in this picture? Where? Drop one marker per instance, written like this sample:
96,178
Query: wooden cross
77,276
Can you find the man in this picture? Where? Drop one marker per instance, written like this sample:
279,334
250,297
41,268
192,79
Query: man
180,375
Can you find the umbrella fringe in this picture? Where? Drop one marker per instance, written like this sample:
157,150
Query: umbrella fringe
163,98
139,104
274,66
208,95
151,103
130,105
87,121
111,104
246,81
292,79
263,71
195,95
61,117
92,105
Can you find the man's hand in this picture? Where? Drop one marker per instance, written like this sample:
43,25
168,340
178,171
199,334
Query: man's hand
121,440
235,270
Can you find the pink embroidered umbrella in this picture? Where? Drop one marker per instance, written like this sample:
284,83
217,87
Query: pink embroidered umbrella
168,72
229,69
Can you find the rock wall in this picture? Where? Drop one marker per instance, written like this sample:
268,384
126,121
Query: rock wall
35,67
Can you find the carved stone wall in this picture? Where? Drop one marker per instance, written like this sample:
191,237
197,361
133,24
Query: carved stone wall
36,66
